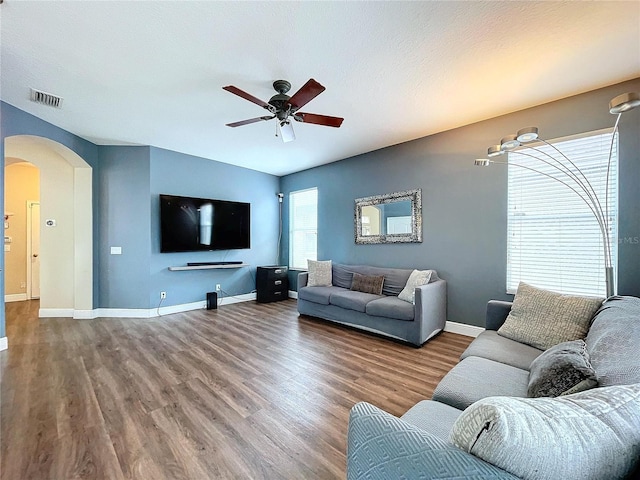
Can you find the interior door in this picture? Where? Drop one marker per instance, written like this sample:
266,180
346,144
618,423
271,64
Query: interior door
34,250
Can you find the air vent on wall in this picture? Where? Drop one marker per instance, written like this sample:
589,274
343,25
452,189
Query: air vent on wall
44,98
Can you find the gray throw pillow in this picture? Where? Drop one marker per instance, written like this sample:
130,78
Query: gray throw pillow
416,279
592,434
319,273
542,319
561,370
367,283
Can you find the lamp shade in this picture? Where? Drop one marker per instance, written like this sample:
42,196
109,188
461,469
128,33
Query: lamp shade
527,134
494,151
509,142
624,103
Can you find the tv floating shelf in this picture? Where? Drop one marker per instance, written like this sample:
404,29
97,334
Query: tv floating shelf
207,267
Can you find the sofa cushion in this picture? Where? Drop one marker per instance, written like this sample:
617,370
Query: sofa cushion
394,278
319,295
492,346
351,300
433,417
475,378
593,434
391,307
381,446
341,275
367,284
319,273
416,279
613,342
562,369
542,319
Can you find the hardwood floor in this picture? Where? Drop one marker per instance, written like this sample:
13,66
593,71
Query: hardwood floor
246,391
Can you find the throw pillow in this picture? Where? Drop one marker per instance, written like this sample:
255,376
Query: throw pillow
561,370
592,434
367,284
542,319
319,273
416,279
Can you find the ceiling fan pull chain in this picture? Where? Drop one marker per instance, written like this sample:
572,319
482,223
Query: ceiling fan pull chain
276,129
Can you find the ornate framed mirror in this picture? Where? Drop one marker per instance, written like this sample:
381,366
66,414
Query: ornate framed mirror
391,218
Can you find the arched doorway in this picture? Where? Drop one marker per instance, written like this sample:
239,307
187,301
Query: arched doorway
66,269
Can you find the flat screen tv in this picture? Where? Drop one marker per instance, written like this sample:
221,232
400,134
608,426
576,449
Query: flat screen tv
199,224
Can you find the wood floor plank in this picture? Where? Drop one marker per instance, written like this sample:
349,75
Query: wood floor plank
245,391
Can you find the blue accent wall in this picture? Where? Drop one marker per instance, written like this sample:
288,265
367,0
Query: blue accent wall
180,174
124,219
464,207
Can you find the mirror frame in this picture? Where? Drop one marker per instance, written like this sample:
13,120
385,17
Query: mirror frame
414,196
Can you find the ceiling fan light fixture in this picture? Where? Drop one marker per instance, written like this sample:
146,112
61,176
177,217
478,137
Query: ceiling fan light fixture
286,131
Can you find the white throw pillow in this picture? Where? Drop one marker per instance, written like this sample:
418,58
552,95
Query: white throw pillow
592,434
416,279
319,273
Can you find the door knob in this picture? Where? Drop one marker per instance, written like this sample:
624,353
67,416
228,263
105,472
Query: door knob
35,255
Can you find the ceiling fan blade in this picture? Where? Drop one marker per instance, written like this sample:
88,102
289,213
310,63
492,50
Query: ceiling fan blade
246,96
319,119
247,122
286,131
308,92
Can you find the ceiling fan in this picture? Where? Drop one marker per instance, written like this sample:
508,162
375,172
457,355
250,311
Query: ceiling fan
283,107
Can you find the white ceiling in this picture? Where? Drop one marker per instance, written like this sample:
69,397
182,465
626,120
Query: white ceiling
150,73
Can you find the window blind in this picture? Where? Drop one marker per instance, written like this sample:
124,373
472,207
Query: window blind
554,240
303,227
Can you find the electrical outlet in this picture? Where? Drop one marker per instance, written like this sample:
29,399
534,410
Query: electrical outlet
218,287
163,295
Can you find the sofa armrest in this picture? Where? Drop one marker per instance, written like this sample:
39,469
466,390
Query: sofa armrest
497,313
381,446
430,309
303,278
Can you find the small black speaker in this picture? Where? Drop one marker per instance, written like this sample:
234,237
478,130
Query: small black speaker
212,300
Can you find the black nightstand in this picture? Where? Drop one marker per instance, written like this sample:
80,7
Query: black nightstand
272,283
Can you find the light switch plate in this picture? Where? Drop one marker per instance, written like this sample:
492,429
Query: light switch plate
116,250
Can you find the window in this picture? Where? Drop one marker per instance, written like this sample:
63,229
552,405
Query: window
554,240
303,227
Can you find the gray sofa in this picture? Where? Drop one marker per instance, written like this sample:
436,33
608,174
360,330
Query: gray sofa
419,444
383,314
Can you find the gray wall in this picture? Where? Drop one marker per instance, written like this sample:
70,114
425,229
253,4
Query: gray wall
464,207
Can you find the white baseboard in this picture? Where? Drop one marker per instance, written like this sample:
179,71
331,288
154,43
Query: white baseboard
15,297
4,343
293,294
463,329
139,312
55,312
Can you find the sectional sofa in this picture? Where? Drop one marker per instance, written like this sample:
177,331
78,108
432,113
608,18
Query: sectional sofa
479,423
